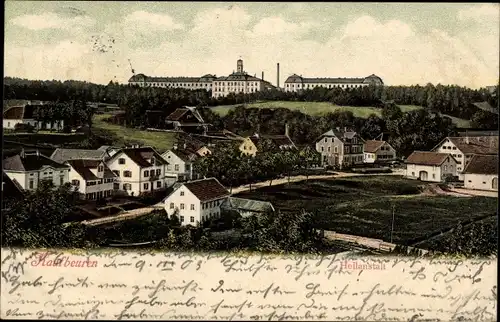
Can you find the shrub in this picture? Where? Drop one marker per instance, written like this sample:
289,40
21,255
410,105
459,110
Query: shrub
22,127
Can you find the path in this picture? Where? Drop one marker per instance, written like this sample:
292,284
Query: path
471,192
372,243
134,213
285,180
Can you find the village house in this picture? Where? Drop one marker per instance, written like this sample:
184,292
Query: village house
246,207
340,148
195,144
63,155
138,170
463,148
187,119
196,201
431,166
378,152
29,169
180,163
253,144
481,173
92,178
25,114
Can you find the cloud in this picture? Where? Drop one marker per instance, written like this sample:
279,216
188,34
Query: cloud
50,20
152,20
397,51
480,12
277,26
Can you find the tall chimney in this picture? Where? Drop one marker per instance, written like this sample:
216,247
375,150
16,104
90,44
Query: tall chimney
278,76
262,76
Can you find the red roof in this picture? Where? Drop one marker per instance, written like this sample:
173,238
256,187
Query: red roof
428,158
207,189
482,164
372,146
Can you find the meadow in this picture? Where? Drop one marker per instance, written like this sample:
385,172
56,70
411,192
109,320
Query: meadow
364,206
313,108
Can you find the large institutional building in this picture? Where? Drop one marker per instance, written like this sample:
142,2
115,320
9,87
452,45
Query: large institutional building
241,82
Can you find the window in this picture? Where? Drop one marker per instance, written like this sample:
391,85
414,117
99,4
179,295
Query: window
328,149
484,182
158,172
146,173
127,174
445,168
454,148
192,219
121,161
176,167
75,182
146,186
335,149
182,193
31,184
192,206
169,167
413,174
127,186
470,181
433,176
172,205
322,149
158,184
116,172
202,206
326,140
188,167
182,218
100,168
116,186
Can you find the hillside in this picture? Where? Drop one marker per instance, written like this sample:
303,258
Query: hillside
312,108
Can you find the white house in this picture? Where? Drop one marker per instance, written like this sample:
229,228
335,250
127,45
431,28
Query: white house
481,173
430,166
463,148
196,201
29,169
180,163
378,151
93,178
138,170
25,115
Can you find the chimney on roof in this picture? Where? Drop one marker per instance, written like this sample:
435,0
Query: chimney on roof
262,76
278,75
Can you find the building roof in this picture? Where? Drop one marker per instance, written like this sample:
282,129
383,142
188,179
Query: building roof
141,156
182,79
83,167
485,106
180,112
247,205
207,189
299,79
10,188
23,112
372,146
428,158
342,135
185,154
474,144
482,164
29,162
63,155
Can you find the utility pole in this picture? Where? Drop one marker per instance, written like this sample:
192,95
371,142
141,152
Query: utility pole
392,225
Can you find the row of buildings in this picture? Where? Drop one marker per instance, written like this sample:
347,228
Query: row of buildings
242,82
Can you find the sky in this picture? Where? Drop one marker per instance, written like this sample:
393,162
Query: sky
403,43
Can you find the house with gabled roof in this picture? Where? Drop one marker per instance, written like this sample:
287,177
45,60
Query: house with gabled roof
251,145
378,152
26,114
464,147
62,155
430,166
139,170
481,173
247,207
29,169
187,119
180,163
340,147
196,201
92,178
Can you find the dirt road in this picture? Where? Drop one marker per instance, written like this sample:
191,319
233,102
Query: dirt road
123,216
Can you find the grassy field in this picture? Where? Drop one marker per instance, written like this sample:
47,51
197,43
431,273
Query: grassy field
162,141
363,206
312,108
459,122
